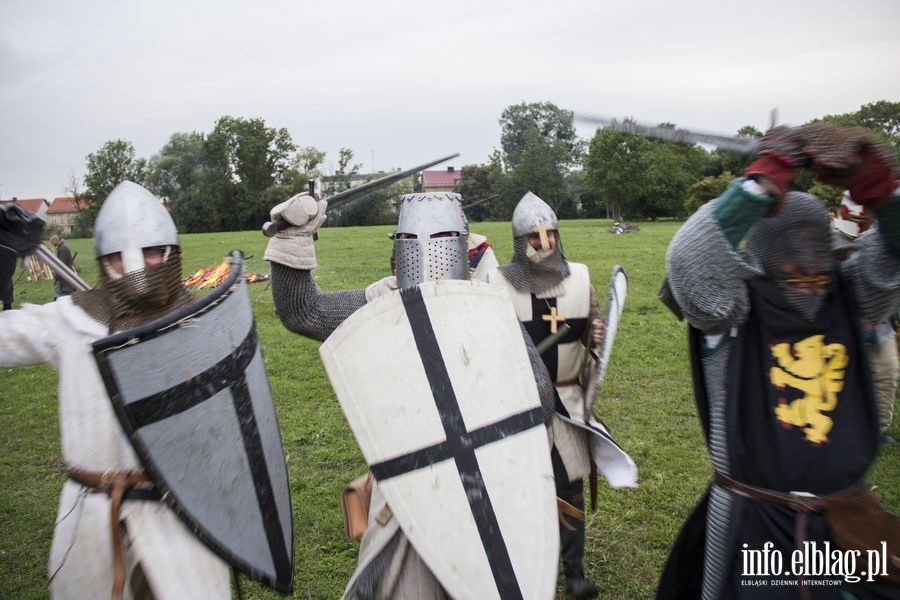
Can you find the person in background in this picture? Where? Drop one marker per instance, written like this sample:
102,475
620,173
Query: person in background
61,287
850,221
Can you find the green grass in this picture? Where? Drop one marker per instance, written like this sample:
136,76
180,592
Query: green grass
646,402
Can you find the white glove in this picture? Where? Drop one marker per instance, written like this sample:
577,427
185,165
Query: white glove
293,245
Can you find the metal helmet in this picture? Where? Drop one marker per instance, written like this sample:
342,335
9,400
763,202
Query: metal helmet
535,271
533,215
431,238
131,219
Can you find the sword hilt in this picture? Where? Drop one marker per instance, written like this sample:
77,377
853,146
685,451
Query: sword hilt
551,340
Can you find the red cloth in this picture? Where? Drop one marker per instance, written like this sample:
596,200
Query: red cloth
778,169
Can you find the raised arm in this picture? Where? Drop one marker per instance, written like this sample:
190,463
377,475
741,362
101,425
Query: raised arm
300,305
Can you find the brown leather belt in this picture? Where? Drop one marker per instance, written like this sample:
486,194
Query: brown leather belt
798,502
567,510
802,503
115,484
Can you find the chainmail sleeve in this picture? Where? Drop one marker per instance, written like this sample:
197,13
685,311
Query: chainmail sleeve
874,273
541,377
706,275
304,309
594,313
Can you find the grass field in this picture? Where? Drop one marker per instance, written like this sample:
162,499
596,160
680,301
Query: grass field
646,402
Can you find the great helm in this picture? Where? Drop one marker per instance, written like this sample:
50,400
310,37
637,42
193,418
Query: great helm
431,238
130,220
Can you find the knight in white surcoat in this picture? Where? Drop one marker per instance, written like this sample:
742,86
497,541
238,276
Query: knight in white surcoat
143,549
430,244
548,291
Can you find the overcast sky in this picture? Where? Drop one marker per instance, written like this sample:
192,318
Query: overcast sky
400,82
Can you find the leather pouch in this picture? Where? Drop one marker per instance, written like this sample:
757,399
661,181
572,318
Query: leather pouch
355,499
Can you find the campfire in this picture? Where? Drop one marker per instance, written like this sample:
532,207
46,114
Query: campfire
216,274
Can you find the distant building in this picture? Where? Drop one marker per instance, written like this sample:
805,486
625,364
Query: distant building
36,206
62,213
440,181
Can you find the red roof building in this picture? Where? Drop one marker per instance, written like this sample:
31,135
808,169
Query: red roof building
62,213
440,181
36,206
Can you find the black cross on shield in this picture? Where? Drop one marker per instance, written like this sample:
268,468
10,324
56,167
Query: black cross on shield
460,444
192,395
438,390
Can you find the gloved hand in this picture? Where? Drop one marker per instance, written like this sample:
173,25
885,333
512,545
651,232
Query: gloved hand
293,245
782,152
20,231
869,175
773,172
842,156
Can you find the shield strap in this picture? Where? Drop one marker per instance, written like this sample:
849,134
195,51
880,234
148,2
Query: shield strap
460,444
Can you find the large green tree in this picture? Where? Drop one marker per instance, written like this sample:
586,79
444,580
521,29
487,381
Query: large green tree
538,171
106,168
182,173
481,187
670,169
882,117
180,164
230,178
637,177
250,158
555,125
614,169
540,147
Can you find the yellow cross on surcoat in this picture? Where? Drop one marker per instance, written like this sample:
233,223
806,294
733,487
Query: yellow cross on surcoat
553,318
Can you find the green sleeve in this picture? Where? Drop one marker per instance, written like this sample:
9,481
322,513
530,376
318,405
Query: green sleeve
738,209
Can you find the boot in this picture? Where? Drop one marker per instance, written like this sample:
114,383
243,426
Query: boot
580,587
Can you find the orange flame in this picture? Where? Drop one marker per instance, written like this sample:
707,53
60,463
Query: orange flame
216,274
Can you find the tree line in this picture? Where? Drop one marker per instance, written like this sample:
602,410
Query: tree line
227,179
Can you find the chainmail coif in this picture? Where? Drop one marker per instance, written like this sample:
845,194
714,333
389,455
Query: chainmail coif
137,297
531,277
800,233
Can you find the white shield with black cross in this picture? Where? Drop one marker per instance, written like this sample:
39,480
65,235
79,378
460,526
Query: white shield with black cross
437,386
191,393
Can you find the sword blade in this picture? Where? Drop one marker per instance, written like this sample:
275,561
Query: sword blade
744,145
341,198
269,229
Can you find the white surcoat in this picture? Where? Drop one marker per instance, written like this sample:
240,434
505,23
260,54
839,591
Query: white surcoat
577,445
175,563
